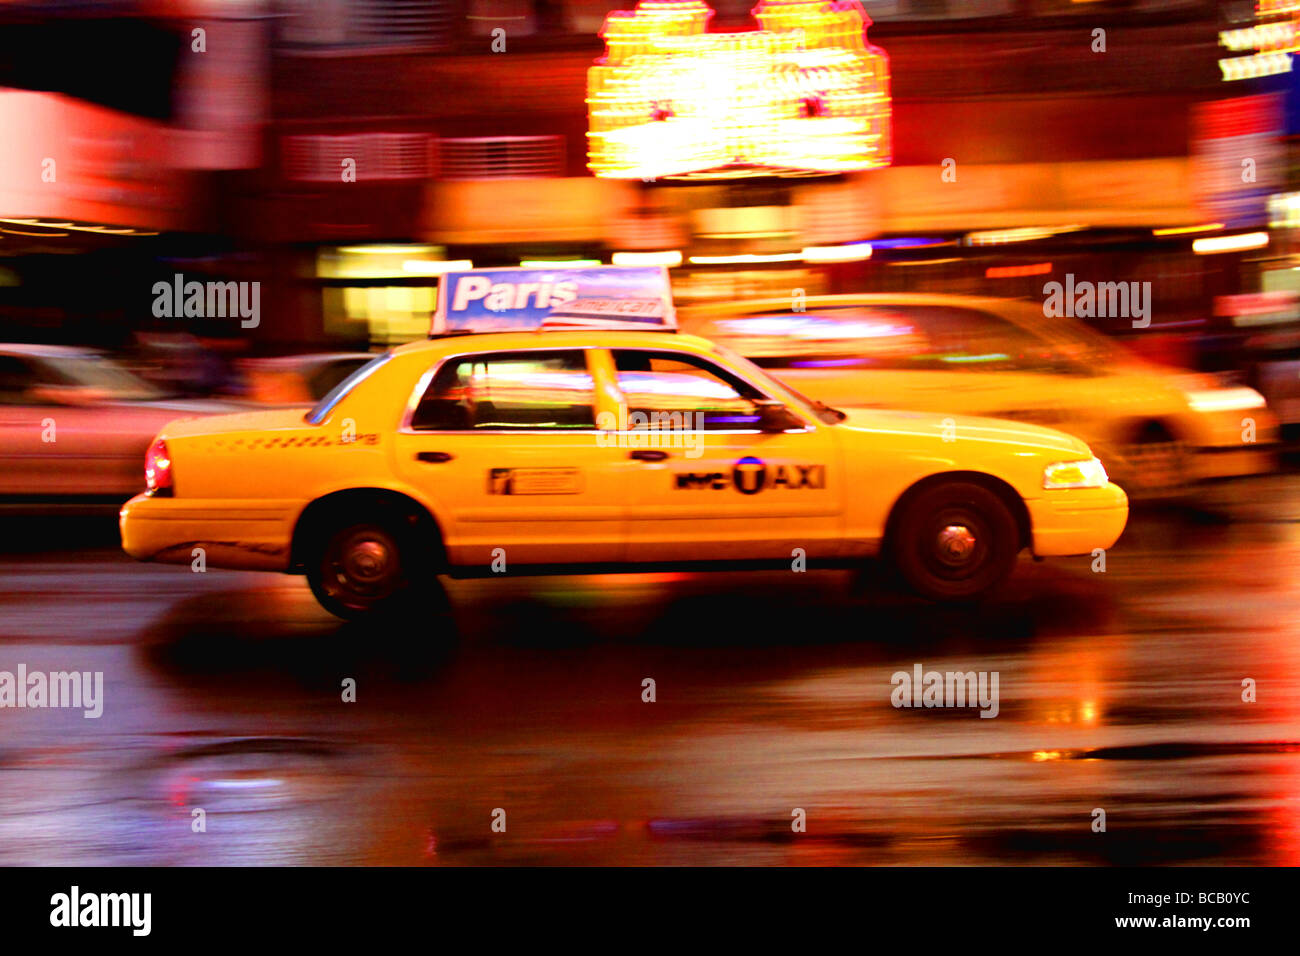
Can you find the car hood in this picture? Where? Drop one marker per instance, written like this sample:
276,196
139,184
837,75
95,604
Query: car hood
993,431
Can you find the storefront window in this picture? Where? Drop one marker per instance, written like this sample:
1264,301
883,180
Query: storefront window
389,314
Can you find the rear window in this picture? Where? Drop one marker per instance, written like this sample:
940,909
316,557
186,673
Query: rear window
323,380
321,410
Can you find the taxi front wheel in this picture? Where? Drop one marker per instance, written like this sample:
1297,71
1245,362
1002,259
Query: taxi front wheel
955,542
363,570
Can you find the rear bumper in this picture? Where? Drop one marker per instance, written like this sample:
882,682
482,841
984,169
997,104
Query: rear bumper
1077,521
239,534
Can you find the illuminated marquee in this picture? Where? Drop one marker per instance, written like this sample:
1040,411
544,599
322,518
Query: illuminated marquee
1271,41
805,94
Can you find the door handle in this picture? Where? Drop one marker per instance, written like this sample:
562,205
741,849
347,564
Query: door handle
436,457
648,455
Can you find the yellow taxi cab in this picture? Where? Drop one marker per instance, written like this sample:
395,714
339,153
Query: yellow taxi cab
602,439
1158,431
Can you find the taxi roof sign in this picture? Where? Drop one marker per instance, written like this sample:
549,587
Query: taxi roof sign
511,300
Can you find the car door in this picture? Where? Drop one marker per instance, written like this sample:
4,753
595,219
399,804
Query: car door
505,445
22,453
46,448
705,483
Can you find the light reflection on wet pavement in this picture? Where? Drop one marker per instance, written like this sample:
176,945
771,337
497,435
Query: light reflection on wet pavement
1119,691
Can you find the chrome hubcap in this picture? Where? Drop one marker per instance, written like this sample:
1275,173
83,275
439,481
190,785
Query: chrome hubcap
366,561
956,544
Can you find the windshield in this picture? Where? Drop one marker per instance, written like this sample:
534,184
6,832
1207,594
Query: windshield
321,410
823,412
102,375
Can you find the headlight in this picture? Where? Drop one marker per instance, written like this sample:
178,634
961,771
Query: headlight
1225,399
1088,473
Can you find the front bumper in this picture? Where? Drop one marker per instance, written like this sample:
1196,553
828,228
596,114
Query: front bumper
238,534
1077,520
1233,461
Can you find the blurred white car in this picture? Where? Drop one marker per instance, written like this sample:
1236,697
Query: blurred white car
74,427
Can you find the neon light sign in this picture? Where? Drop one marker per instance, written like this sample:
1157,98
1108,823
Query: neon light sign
805,94
1271,43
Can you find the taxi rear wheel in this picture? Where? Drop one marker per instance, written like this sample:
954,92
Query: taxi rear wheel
956,541
362,570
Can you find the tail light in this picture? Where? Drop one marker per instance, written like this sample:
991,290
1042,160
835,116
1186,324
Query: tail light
158,470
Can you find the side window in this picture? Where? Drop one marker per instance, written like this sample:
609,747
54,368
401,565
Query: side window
852,337
17,379
948,338
664,390
512,390
972,338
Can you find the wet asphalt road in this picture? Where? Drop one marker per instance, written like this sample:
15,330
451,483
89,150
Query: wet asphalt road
1120,691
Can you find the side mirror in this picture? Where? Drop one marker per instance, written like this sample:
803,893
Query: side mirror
774,417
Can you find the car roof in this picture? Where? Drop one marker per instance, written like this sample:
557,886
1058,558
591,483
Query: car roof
556,338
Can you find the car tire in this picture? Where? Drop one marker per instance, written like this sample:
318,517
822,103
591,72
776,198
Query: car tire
956,541
363,570
1154,466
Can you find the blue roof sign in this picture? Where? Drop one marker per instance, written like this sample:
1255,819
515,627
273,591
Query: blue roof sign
501,300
